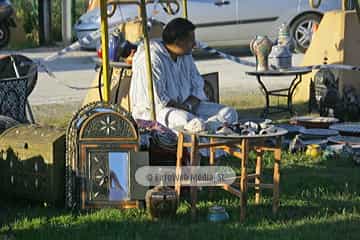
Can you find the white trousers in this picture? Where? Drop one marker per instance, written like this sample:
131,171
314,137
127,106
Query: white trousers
173,117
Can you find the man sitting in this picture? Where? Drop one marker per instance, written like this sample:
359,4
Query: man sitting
178,86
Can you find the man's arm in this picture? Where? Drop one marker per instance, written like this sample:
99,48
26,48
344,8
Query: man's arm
192,103
181,106
197,82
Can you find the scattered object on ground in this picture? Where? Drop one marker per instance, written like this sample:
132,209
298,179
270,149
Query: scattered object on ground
313,150
296,145
345,140
317,133
161,201
292,129
342,152
348,129
313,122
217,214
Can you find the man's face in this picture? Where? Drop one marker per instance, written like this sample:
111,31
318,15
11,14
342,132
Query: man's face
185,46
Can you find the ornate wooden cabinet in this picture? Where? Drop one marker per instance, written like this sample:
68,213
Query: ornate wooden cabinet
102,157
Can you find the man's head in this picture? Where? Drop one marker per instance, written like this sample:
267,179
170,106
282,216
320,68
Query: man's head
179,36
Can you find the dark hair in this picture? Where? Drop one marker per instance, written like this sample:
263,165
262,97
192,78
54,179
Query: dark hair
177,29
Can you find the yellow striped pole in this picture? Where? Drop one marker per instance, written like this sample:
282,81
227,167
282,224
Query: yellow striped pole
185,9
105,49
148,58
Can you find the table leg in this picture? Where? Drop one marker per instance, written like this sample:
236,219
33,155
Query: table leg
212,153
297,80
258,170
276,177
243,178
267,98
193,162
211,162
179,157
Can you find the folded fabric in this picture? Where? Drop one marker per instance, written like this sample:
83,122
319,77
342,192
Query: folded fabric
195,125
225,131
213,126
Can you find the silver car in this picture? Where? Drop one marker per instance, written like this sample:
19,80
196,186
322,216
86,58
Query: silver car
227,23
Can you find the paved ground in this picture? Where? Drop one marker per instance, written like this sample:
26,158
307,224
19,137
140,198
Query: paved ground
77,69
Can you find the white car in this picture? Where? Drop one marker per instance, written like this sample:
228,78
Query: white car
228,23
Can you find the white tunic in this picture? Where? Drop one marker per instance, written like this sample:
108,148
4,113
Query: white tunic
173,80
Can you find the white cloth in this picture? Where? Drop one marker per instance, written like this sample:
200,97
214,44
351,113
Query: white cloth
176,80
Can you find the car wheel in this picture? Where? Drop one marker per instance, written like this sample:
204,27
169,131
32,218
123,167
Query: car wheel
302,29
4,35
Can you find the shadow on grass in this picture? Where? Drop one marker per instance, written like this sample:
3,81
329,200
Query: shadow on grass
319,200
111,225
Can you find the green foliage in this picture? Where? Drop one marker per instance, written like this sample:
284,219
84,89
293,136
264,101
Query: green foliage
78,7
27,11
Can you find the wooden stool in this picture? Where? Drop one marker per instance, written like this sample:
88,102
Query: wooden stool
242,144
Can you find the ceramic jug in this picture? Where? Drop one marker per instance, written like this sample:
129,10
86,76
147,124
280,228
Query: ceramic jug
280,57
260,47
217,214
313,150
161,201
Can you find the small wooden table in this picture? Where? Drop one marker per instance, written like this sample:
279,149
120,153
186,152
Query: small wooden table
229,144
282,92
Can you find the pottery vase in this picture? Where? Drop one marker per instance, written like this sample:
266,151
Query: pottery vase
313,150
284,37
261,46
161,201
280,57
217,214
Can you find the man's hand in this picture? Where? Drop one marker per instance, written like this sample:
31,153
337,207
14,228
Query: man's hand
193,103
181,106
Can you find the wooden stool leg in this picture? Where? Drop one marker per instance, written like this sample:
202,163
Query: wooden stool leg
258,169
243,179
212,153
212,163
276,179
193,162
179,157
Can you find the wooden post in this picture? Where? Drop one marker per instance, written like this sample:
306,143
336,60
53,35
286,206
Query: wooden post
212,152
179,158
193,163
276,177
243,178
258,169
212,163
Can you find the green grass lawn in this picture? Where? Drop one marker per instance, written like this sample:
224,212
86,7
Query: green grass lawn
319,200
